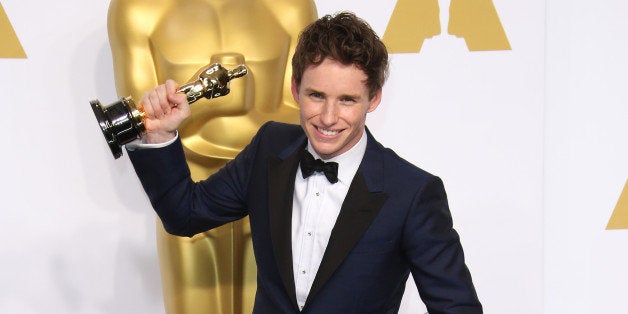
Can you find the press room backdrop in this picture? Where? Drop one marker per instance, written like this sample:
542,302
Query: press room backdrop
530,142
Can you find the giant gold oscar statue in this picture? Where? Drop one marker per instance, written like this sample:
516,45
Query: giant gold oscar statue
153,40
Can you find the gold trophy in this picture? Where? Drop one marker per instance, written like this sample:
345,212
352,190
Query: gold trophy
122,121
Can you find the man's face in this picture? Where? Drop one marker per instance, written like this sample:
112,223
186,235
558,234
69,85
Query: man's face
334,101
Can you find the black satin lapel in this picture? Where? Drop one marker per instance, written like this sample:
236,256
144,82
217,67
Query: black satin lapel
281,175
358,211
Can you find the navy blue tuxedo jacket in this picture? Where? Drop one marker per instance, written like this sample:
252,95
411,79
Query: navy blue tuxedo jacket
394,220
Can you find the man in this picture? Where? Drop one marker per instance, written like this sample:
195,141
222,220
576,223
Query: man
324,242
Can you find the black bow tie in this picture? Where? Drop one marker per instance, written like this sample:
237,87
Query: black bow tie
309,165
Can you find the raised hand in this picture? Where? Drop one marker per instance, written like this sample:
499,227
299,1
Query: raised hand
164,110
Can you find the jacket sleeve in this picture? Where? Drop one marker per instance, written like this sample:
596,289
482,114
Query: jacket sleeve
184,206
435,254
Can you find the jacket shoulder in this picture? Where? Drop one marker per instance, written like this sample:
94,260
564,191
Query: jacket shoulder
391,162
276,136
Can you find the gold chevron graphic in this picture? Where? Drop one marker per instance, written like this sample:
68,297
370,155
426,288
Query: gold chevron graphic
411,23
619,218
476,21
10,46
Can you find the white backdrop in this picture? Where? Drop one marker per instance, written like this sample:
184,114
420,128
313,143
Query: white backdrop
531,145
586,154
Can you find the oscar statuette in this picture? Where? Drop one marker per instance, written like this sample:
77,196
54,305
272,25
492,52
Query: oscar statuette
122,121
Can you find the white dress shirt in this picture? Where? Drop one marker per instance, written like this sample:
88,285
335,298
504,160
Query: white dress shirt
315,208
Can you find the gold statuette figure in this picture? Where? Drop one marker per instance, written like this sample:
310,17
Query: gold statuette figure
153,40
122,122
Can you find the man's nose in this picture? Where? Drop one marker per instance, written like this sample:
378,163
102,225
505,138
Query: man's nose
329,115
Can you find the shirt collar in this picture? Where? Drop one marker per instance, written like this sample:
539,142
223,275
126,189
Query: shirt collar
348,162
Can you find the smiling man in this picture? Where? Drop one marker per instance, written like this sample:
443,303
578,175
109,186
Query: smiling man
333,111
338,221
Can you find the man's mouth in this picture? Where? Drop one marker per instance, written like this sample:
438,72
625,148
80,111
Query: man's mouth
327,132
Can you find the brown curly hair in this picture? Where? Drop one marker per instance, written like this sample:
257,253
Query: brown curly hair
346,38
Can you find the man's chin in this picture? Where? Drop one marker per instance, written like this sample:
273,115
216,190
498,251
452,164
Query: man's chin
321,151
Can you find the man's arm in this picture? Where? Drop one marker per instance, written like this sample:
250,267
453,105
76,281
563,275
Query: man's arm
436,256
185,207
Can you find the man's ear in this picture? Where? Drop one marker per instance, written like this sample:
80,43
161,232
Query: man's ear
295,90
374,102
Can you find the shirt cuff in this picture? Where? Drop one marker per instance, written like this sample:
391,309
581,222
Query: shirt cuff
139,143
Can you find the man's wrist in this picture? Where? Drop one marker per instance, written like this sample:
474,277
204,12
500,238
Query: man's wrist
142,144
159,137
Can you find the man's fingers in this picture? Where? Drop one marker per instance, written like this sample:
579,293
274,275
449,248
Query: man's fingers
165,110
153,99
147,106
164,104
171,87
160,103
173,96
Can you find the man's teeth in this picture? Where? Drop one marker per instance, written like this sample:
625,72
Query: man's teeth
328,132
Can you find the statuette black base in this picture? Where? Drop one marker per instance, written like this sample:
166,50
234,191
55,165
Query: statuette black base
120,122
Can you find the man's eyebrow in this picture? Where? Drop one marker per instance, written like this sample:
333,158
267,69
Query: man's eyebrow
309,90
350,96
